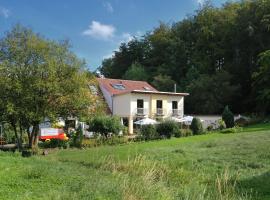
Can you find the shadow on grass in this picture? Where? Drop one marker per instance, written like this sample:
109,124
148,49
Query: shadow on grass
259,185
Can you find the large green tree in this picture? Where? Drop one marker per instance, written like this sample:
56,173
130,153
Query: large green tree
136,72
197,48
39,79
261,83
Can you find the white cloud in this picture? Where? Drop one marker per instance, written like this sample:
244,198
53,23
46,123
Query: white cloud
100,31
200,2
108,6
126,37
109,55
123,38
5,12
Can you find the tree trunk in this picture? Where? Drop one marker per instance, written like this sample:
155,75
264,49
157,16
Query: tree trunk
17,137
29,136
34,136
21,134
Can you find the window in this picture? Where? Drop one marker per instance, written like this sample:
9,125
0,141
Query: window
174,105
159,103
119,86
140,109
139,103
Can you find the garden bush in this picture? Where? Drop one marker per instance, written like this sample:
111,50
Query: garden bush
235,129
210,128
196,126
149,132
178,133
186,132
105,125
221,124
228,117
54,143
76,137
167,128
95,142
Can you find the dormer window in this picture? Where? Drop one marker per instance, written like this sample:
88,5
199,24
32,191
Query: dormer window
118,86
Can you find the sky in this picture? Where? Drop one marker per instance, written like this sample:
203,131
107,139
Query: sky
95,28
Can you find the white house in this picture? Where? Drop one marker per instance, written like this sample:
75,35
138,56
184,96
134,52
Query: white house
132,100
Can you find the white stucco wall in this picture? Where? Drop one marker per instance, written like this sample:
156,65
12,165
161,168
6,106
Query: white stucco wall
121,105
146,103
180,101
125,105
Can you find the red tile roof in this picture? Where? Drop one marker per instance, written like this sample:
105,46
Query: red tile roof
128,84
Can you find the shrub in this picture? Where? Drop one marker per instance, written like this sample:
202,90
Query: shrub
54,143
221,124
149,132
167,128
196,126
178,133
210,127
113,140
105,125
77,137
228,117
186,132
235,129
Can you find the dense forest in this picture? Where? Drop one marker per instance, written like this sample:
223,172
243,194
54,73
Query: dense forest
221,56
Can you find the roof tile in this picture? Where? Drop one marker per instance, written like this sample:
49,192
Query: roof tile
129,85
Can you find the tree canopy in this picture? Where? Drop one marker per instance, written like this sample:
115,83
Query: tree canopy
215,54
39,79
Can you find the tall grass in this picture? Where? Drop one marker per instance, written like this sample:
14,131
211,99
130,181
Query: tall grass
211,167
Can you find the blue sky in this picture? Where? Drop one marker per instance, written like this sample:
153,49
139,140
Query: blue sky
94,27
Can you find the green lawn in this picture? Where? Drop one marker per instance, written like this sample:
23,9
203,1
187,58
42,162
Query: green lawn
213,166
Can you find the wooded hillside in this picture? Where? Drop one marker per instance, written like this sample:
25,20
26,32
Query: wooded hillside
219,55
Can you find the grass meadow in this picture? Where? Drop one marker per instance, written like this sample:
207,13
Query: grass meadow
213,166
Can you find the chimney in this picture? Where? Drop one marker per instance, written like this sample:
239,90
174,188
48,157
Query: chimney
175,88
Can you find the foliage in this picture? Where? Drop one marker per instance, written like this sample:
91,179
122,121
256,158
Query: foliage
216,89
98,105
196,126
54,143
39,78
186,132
210,128
178,133
76,138
213,54
99,141
167,128
136,72
261,82
105,124
221,124
234,129
163,83
147,170
149,132
227,117
183,133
